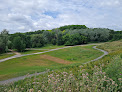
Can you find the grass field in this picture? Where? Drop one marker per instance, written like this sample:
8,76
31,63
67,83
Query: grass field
104,75
77,54
31,51
36,63
5,55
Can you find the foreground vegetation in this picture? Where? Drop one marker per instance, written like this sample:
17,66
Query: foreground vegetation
51,60
104,75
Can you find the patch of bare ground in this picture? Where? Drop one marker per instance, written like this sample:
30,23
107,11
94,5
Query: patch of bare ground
55,59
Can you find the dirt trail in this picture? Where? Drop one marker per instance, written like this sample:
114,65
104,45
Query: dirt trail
23,77
55,59
17,53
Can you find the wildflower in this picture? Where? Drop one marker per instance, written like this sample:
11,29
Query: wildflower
31,90
22,88
57,75
70,90
64,79
87,74
39,91
10,90
60,89
80,66
49,80
43,86
116,85
105,77
113,82
98,79
120,79
34,83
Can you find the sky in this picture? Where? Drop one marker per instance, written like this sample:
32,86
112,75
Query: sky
31,15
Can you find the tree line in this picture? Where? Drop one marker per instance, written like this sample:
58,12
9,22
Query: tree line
65,35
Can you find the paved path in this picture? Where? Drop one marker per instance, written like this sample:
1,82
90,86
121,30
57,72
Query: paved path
23,77
16,56
105,53
19,55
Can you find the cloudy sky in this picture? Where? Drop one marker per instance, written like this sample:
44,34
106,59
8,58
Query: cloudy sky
31,15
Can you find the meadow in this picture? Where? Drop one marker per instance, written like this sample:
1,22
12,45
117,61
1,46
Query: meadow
38,63
103,75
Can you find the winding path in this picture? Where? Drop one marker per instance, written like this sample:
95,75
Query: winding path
30,75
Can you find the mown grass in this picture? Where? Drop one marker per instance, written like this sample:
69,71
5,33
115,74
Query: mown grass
77,54
5,55
24,65
34,63
103,75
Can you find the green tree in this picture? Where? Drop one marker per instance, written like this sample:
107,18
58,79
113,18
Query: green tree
18,44
74,39
4,41
37,40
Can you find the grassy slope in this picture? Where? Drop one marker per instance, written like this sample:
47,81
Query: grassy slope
34,63
112,46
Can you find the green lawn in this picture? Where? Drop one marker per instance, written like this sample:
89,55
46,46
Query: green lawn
35,63
5,55
79,54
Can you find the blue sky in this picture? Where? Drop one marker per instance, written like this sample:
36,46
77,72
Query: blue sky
31,15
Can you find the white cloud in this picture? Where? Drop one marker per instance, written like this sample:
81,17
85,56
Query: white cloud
27,15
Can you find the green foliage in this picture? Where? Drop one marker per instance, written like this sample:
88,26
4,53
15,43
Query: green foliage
72,27
37,40
117,35
74,39
4,41
18,44
65,35
66,81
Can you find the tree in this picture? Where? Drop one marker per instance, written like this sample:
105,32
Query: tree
18,44
4,41
37,40
74,39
